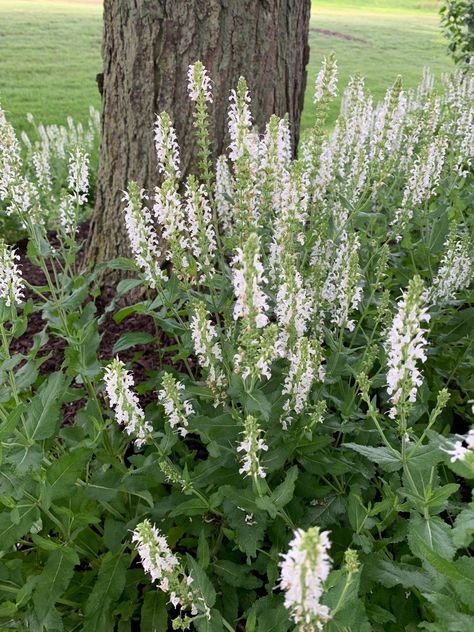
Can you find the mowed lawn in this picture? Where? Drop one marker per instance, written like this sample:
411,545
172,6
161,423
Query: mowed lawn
49,58
50,51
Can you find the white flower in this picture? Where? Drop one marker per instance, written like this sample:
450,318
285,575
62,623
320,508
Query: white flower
342,290
251,446
119,387
177,410
326,80
199,83
166,145
304,570
142,235
11,280
455,271
206,345
170,213
156,556
294,308
164,568
78,176
305,369
405,346
243,140
10,161
248,278
458,451
200,227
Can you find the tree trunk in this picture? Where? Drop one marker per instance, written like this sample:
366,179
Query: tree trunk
147,48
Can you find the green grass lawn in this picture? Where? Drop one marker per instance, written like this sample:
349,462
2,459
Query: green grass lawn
391,37
49,57
50,50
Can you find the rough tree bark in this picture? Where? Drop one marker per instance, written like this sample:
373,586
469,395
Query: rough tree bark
147,47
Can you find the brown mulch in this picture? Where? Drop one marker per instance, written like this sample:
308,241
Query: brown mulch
145,357
343,36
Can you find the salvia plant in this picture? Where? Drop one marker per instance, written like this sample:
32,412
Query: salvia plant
299,455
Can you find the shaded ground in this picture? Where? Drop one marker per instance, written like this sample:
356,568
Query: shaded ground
144,356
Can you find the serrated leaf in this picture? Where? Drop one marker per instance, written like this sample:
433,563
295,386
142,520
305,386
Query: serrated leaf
54,580
108,586
236,575
63,473
463,529
43,412
283,494
434,533
388,461
154,615
201,581
12,531
131,339
248,536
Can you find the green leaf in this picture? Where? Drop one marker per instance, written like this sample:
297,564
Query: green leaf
154,615
389,574
122,263
63,473
109,585
248,536
192,507
434,533
203,556
12,530
10,424
54,580
131,339
236,575
201,581
463,529
283,494
388,460
43,412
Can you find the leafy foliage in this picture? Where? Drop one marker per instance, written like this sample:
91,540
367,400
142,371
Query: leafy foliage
313,360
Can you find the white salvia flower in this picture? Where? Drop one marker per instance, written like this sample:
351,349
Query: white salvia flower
275,147
455,271
164,568
305,369
166,145
11,280
170,213
10,161
257,351
304,570
67,215
291,216
24,201
199,83
342,290
243,140
206,345
78,176
422,181
223,195
405,346
142,235
128,413
294,307
251,446
202,237
177,410
248,278
461,449
40,160
326,80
